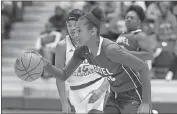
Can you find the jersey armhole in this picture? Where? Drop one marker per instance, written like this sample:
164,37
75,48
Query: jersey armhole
138,49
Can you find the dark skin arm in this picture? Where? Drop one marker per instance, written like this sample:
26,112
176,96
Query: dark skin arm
144,43
65,73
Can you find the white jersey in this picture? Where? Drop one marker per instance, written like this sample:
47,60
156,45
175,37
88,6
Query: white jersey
80,98
79,76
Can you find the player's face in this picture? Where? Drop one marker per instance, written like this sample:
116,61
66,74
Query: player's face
71,27
84,33
163,6
132,20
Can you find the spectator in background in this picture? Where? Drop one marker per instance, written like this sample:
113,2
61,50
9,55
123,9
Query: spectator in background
113,22
7,18
172,73
174,7
47,42
165,29
58,19
152,11
89,5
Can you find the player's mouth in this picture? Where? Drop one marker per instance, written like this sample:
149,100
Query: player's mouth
128,23
73,34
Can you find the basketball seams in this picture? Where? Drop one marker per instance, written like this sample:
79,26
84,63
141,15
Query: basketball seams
19,68
36,73
25,68
32,69
29,61
26,71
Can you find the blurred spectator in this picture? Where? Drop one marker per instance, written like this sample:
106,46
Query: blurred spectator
174,7
114,24
172,73
58,19
47,42
165,29
11,12
147,27
7,16
152,11
89,5
18,9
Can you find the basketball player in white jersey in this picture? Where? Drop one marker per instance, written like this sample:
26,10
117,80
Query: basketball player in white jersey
87,91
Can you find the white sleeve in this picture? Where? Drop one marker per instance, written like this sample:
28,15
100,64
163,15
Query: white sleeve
38,43
57,39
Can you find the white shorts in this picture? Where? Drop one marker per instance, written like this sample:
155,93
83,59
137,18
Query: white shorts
79,98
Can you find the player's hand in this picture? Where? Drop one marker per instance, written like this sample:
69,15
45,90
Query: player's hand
144,109
96,94
45,62
66,108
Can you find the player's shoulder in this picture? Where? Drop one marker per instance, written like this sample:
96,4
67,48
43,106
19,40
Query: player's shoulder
140,35
109,45
107,42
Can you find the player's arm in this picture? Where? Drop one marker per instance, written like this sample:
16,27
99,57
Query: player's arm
144,43
118,55
65,73
104,86
60,63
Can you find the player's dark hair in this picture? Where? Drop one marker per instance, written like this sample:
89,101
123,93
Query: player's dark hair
94,18
139,10
75,14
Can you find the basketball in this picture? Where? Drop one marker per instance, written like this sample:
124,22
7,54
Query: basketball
28,67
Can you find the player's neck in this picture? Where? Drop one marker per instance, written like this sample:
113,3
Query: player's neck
74,42
133,29
93,44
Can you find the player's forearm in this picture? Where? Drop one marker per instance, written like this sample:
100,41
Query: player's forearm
143,55
65,73
56,72
104,86
62,91
146,85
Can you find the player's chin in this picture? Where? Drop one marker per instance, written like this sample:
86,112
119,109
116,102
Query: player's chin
80,43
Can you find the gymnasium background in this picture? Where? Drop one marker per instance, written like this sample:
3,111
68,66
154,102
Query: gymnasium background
23,22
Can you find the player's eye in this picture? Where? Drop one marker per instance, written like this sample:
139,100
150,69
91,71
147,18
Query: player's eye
129,17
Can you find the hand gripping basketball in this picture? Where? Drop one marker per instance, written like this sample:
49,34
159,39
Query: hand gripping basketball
29,66
45,62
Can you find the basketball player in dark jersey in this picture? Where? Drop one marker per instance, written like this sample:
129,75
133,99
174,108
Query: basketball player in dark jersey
107,58
135,41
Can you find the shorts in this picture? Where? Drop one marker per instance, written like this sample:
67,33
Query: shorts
124,102
79,98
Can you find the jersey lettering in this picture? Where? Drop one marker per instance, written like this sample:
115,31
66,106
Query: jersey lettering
123,40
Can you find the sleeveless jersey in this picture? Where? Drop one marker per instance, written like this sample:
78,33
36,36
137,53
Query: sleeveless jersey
107,65
128,41
80,75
